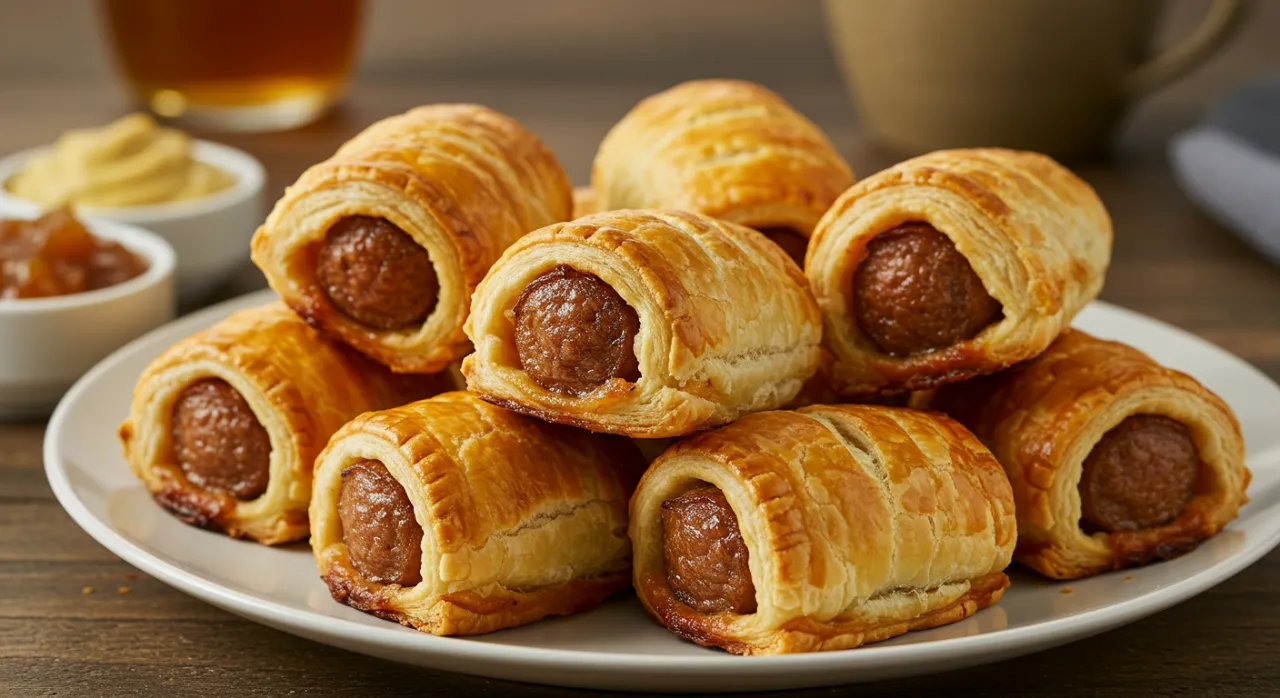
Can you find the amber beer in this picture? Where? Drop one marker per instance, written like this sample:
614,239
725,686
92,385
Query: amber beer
236,64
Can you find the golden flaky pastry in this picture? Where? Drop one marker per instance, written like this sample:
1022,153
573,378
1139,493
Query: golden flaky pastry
300,387
861,523
1042,418
727,325
1036,235
462,180
521,519
730,149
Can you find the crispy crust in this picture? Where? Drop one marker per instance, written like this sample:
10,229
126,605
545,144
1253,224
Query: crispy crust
469,612
862,522
727,323
730,149
521,519
806,635
463,180
300,387
1043,417
1036,235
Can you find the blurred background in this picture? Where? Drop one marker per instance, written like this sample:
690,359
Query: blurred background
568,68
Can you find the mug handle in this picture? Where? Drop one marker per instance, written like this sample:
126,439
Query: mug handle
1223,18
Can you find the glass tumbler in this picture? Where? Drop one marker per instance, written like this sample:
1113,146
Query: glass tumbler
236,65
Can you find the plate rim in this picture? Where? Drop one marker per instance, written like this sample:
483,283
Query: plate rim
949,652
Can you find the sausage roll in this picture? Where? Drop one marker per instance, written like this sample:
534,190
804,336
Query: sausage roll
642,323
226,424
456,517
730,149
584,202
382,244
821,529
1115,460
952,265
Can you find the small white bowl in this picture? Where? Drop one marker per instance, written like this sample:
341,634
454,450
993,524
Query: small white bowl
210,234
47,343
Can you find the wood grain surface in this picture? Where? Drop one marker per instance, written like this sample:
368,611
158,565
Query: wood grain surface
132,635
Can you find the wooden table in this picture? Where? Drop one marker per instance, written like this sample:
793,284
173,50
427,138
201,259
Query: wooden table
135,636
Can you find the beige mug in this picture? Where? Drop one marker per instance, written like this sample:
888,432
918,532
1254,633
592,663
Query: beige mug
1047,75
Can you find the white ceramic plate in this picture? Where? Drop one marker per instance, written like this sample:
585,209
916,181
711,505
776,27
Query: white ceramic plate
616,646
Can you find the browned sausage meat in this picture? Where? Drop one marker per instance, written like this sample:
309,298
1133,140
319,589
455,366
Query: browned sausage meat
1141,474
218,442
376,274
384,540
705,556
791,242
574,332
914,292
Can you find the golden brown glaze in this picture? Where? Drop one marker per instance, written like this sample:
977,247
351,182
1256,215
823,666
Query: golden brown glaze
1036,236
520,519
296,386
1043,419
461,181
727,324
860,522
725,148
805,635
468,612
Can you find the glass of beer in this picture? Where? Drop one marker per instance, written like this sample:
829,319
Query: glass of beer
236,65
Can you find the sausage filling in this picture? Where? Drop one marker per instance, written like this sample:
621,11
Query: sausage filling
384,540
218,441
376,274
705,556
791,242
574,332
914,292
1141,474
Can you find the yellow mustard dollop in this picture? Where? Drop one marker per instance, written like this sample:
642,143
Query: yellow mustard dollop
131,162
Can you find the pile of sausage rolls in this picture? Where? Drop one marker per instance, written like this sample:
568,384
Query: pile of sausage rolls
793,411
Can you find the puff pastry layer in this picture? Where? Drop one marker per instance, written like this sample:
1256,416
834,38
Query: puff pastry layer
1042,418
300,387
861,523
521,519
727,323
730,149
462,180
1036,235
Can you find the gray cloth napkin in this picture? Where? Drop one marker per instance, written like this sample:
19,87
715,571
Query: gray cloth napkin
1230,165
